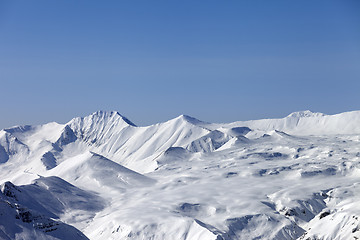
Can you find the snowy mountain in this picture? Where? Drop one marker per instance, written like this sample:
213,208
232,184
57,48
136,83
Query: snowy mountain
103,177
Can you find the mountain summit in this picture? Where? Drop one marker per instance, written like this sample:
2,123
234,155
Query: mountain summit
306,113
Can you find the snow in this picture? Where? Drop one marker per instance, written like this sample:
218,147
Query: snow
102,177
22,216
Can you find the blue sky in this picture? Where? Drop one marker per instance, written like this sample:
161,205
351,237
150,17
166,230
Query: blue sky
219,61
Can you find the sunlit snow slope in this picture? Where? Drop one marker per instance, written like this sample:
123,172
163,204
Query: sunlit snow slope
103,177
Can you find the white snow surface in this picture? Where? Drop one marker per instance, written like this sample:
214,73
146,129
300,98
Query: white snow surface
103,177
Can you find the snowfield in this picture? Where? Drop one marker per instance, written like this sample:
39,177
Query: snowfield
102,177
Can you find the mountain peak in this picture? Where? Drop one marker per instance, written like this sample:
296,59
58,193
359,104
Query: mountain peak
110,115
306,113
99,125
189,119
102,117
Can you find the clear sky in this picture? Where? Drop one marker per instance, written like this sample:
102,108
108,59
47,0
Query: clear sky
219,61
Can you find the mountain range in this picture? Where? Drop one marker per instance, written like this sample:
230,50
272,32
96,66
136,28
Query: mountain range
102,177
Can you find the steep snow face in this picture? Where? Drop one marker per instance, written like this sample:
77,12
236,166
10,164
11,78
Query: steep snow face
99,126
67,136
102,176
11,146
23,217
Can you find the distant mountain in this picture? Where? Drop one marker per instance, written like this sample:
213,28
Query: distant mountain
309,123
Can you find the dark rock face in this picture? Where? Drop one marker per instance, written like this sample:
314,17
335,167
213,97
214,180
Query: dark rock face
67,137
4,157
49,160
19,212
324,214
10,190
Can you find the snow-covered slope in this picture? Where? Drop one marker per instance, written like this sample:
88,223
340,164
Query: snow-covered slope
103,177
309,123
32,211
113,136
